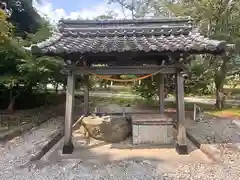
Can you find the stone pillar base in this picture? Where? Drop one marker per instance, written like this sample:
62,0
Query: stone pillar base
182,149
68,148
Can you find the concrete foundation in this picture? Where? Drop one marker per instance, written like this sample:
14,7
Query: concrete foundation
152,129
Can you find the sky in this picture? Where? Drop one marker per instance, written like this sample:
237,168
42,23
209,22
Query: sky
73,9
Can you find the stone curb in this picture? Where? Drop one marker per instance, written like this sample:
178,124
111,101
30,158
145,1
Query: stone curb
210,150
9,135
56,137
15,132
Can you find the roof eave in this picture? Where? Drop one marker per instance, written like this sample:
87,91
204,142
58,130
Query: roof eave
39,51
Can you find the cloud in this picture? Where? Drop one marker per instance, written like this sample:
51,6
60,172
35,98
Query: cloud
46,9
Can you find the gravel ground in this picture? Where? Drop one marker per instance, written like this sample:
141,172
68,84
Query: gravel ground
216,131
19,150
128,169
224,135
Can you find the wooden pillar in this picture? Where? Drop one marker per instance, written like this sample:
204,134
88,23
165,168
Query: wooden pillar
181,130
68,145
86,94
161,93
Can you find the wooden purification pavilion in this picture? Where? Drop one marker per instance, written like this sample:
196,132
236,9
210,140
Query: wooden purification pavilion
144,46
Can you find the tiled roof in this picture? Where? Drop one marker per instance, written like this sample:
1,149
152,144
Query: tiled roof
156,35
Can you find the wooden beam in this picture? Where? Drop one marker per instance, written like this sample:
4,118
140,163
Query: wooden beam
71,55
129,54
86,94
181,136
68,145
161,93
126,113
121,70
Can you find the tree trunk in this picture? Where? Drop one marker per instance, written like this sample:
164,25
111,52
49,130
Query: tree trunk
12,101
219,80
219,98
105,85
56,88
12,98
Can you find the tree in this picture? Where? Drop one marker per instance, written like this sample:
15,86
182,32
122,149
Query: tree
108,15
217,19
20,72
139,8
143,8
10,78
24,17
10,53
5,27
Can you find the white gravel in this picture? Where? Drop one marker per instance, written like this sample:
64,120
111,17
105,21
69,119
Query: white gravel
216,130
126,170
18,151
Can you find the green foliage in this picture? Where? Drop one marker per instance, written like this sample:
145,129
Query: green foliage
141,8
147,89
199,80
42,33
108,15
24,17
217,19
5,27
22,74
41,70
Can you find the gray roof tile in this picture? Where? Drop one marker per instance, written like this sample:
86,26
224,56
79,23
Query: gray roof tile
127,35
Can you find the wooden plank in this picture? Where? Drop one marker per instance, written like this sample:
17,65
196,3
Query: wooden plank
127,54
86,94
181,137
121,70
161,93
69,111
